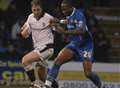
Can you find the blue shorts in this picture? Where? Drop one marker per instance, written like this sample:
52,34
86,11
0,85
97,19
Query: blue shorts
83,51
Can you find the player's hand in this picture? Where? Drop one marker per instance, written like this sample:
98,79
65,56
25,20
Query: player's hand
54,22
63,21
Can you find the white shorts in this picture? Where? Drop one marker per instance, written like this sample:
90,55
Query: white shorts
45,51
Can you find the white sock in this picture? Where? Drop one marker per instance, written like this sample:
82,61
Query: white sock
48,83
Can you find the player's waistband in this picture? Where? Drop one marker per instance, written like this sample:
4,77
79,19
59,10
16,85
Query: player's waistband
49,45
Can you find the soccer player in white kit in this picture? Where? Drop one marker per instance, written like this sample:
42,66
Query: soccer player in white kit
38,24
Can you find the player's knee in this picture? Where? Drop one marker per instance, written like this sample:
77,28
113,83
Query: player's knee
59,61
24,61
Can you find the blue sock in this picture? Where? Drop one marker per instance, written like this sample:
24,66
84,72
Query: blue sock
95,79
53,72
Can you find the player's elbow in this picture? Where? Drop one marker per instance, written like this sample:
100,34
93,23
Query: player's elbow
24,35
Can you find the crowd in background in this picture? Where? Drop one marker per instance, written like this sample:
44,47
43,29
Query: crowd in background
12,47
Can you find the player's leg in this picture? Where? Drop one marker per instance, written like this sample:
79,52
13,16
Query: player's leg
87,57
30,58
64,56
38,55
87,65
27,62
40,72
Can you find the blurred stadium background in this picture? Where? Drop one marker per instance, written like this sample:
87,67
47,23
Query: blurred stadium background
13,14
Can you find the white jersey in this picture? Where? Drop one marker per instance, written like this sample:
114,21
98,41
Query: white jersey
41,32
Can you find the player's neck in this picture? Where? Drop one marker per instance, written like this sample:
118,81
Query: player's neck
38,17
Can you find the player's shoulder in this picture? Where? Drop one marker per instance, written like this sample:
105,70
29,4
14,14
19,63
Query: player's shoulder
31,15
79,12
47,15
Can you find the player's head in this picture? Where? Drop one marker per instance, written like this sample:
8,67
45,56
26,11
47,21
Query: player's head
66,7
36,7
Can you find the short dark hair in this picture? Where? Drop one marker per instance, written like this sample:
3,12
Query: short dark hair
69,2
36,2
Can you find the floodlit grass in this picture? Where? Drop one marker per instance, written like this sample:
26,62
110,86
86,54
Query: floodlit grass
14,87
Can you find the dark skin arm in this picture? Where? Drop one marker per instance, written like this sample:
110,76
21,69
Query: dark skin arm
56,23
60,29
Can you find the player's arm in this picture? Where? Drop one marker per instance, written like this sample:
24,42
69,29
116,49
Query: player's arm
25,31
60,29
76,31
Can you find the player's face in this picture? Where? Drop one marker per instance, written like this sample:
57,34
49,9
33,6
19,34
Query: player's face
66,9
36,10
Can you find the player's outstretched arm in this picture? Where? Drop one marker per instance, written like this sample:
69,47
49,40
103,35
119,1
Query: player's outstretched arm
61,29
58,28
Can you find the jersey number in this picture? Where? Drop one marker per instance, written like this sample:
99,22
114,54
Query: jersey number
87,54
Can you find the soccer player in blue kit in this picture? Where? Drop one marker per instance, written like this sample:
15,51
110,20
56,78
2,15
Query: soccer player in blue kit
81,44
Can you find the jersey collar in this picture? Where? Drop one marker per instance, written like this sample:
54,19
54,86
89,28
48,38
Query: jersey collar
71,13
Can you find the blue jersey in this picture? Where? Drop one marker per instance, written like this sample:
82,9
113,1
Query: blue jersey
82,44
77,20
